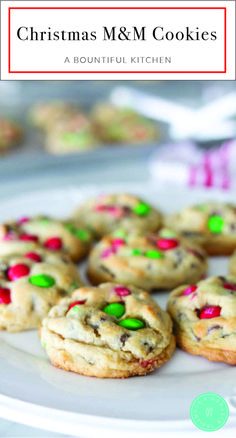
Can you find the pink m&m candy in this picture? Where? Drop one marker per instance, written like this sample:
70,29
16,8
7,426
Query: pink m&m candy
5,295
76,303
108,252
29,237
33,256
166,244
189,290
210,312
118,242
18,271
114,211
122,291
54,243
9,236
230,286
23,220
100,208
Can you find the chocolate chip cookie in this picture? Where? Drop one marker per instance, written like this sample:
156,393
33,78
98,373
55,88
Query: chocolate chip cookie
107,212
31,284
205,318
109,331
151,261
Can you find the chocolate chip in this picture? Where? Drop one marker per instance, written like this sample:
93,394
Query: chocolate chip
214,327
195,253
232,227
107,271
223,279
65,260
149,347
9,229
126,209
181,317
191,233
124,338
179,258
215,213
62,293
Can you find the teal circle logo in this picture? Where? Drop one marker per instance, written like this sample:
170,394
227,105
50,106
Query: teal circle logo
209,412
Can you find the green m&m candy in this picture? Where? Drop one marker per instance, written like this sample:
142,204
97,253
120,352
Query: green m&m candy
141,209
45,221
153,254
201,207
81,234
120,233
115,309
42,280
215,224
70,228
167,234
135,252
75,309
131,324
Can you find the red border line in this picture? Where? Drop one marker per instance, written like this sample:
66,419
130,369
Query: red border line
109,7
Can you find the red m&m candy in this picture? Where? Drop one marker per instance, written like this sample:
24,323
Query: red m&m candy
122,291
210,312
18,271
5,295
189,290
118,242
54,243
76,303
29,237
166,244
230,286
33,256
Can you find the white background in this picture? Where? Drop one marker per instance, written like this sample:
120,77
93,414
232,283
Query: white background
186,55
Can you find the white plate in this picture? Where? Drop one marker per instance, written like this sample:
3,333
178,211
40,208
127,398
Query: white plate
33,392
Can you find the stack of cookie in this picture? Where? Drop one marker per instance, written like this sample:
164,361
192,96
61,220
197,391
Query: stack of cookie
10,134
115,328
69,130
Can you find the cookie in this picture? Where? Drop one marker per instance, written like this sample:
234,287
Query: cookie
212,225
45,114
71,135
109,331
55,235
30,285
232,264
122,125
205,318
107,212
10,134
150,261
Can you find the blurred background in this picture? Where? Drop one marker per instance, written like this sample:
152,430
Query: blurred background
54,133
